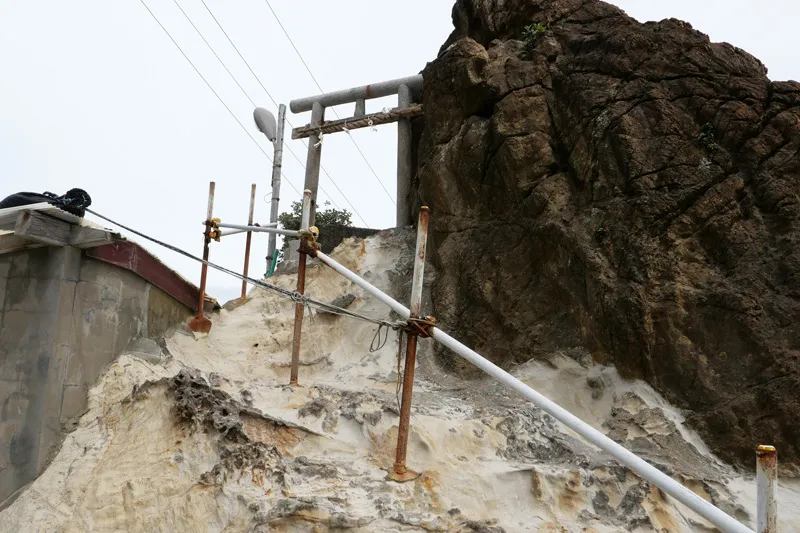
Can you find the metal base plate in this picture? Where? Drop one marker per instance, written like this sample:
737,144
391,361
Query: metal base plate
408,475
200,325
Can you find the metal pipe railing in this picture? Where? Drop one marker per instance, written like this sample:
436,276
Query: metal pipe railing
365,92
263,229
716,516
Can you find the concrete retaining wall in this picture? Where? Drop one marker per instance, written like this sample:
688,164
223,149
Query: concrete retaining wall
63,318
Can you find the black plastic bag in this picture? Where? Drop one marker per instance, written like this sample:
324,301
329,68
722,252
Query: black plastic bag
75,201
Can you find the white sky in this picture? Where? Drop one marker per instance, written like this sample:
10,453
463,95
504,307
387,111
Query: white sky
94,95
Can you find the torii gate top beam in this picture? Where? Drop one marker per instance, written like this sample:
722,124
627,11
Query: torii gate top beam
365,92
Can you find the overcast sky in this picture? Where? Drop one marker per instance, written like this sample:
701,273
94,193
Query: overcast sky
93,94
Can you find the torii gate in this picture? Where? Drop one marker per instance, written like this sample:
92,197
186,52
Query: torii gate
405,110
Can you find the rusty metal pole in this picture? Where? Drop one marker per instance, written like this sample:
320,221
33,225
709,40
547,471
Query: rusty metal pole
200,324
249,239
399,471
299,307
766,479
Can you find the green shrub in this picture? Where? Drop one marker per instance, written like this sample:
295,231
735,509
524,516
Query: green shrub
532,33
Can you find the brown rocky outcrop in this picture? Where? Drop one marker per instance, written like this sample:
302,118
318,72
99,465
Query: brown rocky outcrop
627,188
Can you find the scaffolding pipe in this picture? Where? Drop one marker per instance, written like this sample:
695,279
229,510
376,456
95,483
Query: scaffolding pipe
399,470
263,229
766,479
716,516
249,239
238,231
354,94
200,324
301,287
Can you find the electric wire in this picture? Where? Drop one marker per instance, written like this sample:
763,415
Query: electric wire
231,113
293,295
269,94
363,156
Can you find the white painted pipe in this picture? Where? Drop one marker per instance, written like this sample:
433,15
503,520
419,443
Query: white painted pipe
716,516
237,231
766,479
305,216
262,229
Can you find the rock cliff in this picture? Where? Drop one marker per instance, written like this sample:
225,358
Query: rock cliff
626,188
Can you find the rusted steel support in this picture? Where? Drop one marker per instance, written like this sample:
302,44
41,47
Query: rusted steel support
299,307
249,239
766,480
200,324
399,471
356,122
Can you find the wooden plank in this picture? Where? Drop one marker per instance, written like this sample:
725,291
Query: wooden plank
11,243
353,123
45,229
8,216
88,237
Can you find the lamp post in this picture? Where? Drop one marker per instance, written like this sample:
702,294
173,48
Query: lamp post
273,130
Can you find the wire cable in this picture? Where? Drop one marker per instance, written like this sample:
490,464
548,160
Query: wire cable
363,156
294,295
269,94
210,87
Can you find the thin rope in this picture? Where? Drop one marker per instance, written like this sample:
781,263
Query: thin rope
293,295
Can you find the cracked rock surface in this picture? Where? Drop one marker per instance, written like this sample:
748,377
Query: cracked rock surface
628,189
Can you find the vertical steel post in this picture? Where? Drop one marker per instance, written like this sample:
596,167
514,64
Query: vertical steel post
313,159
299,307
199,323
249,239
404,170
277,162
399,471
766,479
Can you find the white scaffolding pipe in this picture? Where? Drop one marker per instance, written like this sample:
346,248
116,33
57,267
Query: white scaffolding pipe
716,516
263,229
237,231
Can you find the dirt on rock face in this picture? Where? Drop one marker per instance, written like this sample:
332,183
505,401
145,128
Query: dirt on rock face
627,188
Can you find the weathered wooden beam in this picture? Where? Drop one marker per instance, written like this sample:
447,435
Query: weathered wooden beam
88,237
44,230
352,123
11,243
41,228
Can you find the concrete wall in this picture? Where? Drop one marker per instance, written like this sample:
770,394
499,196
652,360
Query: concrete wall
63,318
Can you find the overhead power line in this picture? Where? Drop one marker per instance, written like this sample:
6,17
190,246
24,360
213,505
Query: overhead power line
186,57
288,147
363,156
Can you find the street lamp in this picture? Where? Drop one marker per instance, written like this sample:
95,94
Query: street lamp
273,130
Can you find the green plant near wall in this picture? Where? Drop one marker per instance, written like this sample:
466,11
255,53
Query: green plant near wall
327,217
708,137
531,34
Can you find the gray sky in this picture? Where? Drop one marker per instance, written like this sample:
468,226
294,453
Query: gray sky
95,95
